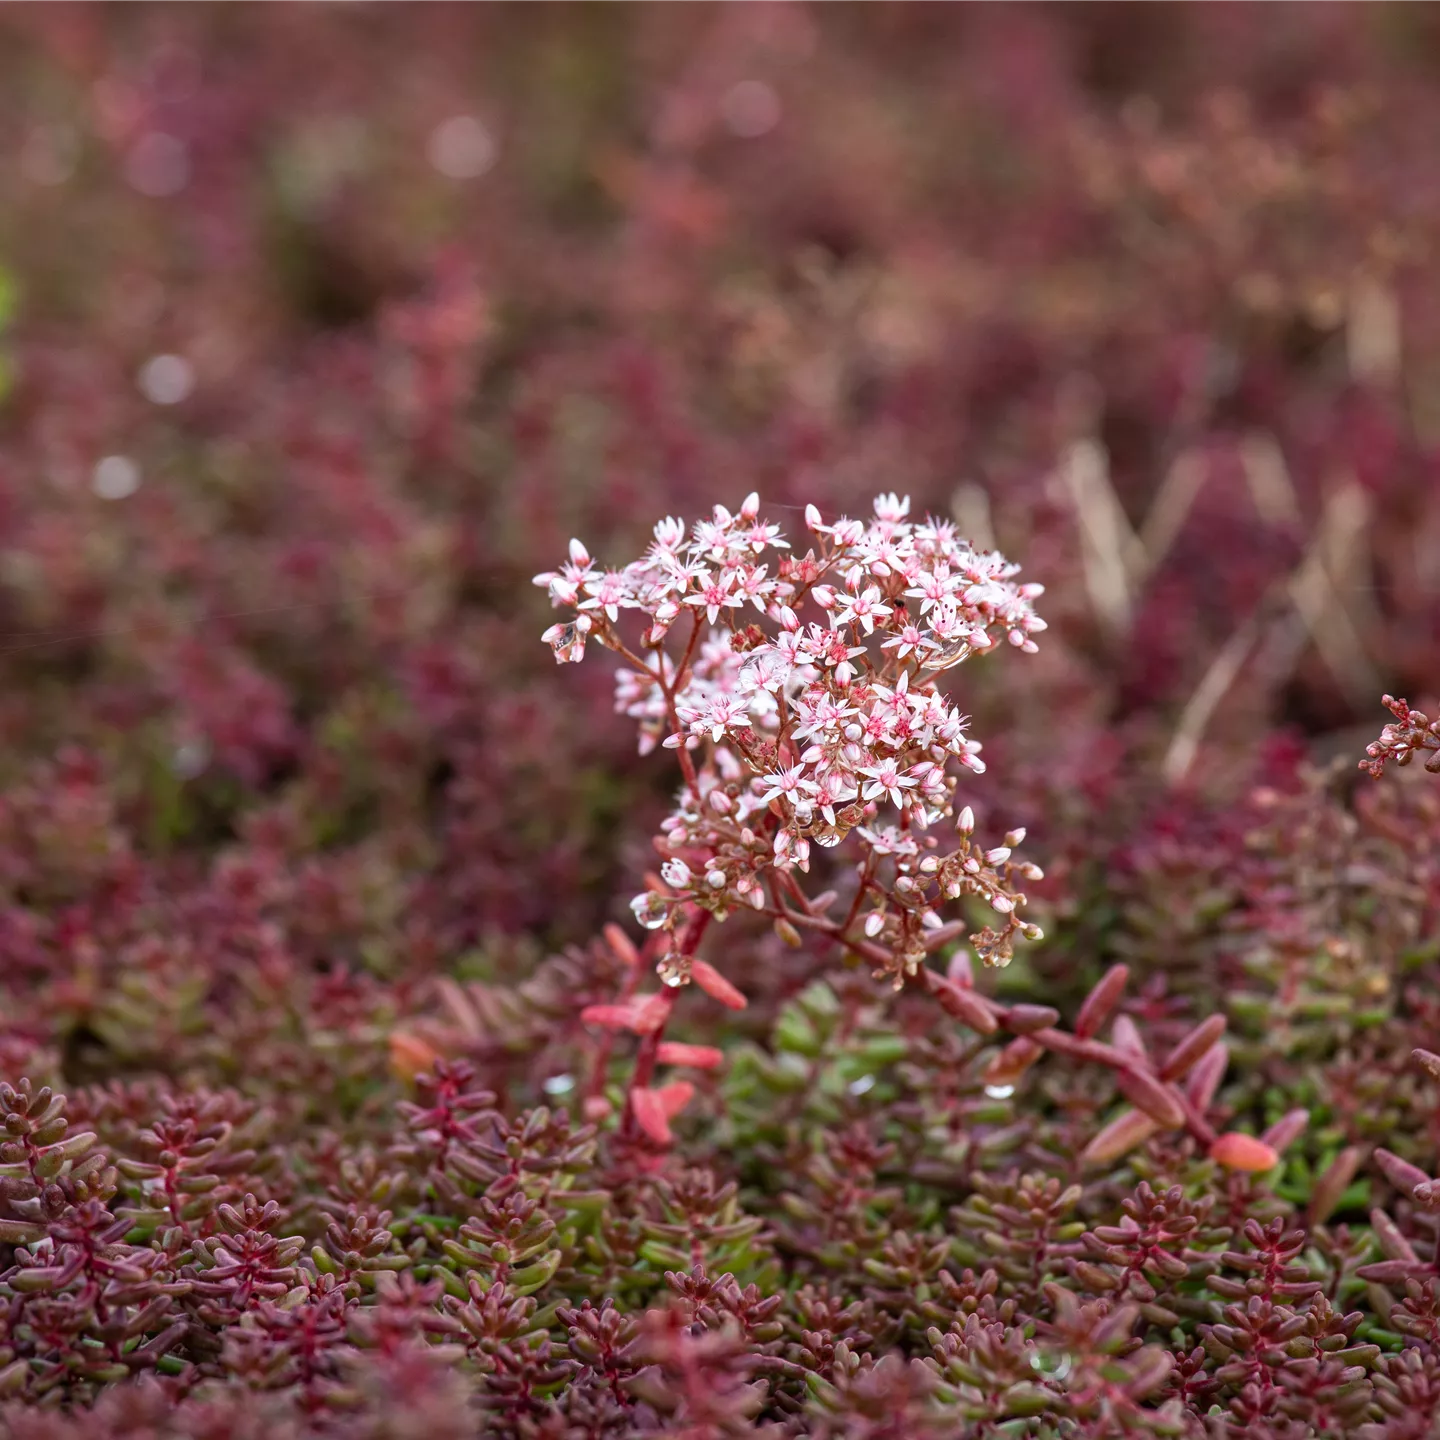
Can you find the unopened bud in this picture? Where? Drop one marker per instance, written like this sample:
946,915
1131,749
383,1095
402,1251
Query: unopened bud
720,802
966,823
715,879
750,506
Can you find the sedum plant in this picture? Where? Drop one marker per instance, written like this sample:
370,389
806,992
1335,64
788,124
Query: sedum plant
822,719
331,1105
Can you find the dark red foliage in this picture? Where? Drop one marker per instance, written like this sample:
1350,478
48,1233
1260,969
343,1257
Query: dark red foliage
336,1093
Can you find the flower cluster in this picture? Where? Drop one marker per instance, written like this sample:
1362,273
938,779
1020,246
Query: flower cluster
1411,732
821,718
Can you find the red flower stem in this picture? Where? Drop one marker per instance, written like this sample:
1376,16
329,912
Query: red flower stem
650,1044
669,691
1093,1050
1103,1054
